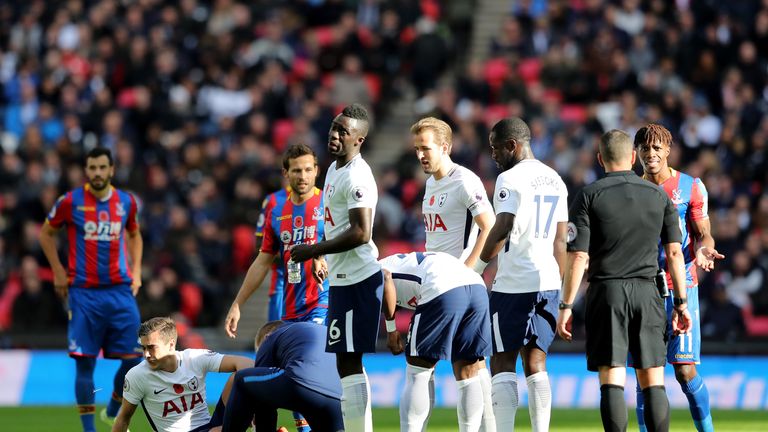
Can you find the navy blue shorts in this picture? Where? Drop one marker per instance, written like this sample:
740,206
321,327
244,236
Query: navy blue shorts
257,394
519,319
103,318
353,315
453,326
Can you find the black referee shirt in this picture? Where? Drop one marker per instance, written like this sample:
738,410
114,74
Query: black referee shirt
618,220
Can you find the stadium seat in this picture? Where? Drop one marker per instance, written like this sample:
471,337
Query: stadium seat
529,70
496,71
281,131
573,113
374,86
756,325
191,301
243,243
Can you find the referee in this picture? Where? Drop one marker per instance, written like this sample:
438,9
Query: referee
616,223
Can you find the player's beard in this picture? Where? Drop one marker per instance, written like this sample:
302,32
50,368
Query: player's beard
104,183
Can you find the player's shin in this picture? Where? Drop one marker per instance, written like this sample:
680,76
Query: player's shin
698,401
117,393
539,400
84,391
640,409
356,403
489,419
415,401
656,409
470,405
613,408
505,400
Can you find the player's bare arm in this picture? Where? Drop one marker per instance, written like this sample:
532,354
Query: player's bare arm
253,279
497,236
359,233
388,305
48,245
124,417
574,272
560,247
681,317
135,250
485,222
706,254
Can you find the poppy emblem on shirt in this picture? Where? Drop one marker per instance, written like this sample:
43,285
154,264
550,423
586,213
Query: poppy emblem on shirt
103,216
432,200
503,194
441,200
298,222
193,384
178,388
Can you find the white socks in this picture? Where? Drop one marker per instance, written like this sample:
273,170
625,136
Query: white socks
416,400
356,403
470,407
489,420
539,401
504,395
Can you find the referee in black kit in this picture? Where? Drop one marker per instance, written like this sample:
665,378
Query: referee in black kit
616,223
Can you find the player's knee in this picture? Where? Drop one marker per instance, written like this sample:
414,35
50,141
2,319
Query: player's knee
85,365
503,362
349,364
685,372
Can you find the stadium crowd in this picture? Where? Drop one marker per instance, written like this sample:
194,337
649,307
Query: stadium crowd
197,99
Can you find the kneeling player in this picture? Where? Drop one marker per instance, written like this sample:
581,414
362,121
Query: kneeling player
170,384
451,321
293,372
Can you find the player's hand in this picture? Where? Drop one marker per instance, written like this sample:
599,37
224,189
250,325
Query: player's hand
395,343
301,253
135,285
564,323
319,270
60,282
681,321
706,256
230,323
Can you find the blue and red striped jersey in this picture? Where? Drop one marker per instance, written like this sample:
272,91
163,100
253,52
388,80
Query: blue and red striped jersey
290,225
272,201
690,197
96,228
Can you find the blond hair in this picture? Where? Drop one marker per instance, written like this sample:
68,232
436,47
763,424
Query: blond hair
164,325
441,130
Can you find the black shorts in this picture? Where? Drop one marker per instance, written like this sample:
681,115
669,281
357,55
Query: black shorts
625,315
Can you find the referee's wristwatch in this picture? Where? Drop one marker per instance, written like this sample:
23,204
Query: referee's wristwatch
680,303
564,305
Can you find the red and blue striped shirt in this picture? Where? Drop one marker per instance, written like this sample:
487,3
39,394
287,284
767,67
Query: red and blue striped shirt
292,224
96,234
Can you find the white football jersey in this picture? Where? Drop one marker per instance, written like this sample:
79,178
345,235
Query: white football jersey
174,401
422,276
351,186
538,198
449,207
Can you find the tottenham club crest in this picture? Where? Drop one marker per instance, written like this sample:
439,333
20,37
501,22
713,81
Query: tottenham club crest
329,191
441,199
503,194
193,384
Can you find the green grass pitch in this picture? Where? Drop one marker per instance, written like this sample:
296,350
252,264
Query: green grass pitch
64,419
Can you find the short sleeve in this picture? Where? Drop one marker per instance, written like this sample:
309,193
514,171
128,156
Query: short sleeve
133,215
270,243
61,212
699,204
579,227
506,197
361,192
133,386
206,360
561,212
262,217
670,231
474,197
